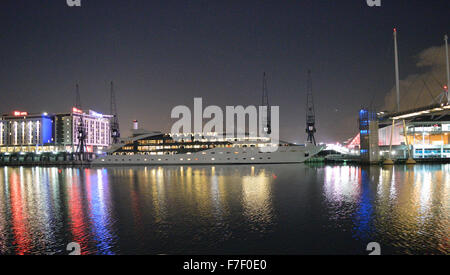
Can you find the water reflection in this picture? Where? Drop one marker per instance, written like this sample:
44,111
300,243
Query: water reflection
230,209
100,210
257,198
406,207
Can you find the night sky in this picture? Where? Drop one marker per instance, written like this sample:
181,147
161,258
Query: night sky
161,54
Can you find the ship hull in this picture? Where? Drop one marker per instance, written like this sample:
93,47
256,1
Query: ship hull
216,156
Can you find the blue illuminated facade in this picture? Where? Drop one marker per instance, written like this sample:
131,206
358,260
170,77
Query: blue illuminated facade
47,130
26,133
368,128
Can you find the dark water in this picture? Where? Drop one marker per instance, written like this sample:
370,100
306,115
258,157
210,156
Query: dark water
273,209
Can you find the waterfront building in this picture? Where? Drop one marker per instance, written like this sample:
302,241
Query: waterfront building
21,132
427,132
96,126
428,136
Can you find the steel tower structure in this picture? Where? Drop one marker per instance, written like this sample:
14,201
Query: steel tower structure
81,131
310,111
115,130
266,118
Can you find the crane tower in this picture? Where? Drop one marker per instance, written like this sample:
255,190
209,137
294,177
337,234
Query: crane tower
310,111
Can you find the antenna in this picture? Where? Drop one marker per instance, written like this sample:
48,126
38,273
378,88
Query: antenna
115,130
310,111
265,103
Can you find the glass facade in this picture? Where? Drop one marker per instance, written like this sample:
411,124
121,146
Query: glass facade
427,138
430,140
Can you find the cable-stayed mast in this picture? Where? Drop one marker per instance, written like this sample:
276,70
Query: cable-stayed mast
448,69
267,124
397,78
115,131
310,111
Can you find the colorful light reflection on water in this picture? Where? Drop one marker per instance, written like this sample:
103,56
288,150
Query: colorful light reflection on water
276,209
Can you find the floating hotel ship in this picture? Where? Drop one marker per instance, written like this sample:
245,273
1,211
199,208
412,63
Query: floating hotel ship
156,148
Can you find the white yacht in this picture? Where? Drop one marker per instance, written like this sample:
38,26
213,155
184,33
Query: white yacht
156,148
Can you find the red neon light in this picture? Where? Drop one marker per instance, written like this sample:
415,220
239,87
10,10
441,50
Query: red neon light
76,110
19,113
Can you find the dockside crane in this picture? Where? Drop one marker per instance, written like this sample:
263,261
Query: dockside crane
115,130
81,131
267,123
310,111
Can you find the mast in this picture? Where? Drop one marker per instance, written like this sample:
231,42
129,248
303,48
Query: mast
448,68
397,78
310,111
265,103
